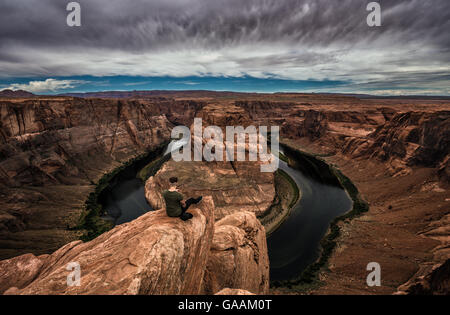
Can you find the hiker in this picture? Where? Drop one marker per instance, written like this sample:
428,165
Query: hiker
175,206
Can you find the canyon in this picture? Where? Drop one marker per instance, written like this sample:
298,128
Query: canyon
54,150
233,185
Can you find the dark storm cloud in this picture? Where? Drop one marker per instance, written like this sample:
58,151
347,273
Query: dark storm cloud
139,24
250,37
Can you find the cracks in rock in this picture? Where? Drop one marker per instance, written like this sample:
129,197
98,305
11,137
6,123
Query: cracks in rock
71,160
119,114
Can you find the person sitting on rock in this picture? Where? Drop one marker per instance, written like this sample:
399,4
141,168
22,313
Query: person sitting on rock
175,206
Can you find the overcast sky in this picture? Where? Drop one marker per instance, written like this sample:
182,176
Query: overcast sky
283,40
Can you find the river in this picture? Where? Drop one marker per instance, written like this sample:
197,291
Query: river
292,247
296,243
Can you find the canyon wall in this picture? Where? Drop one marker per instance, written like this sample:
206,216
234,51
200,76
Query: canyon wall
154,254
397,152
238,257
52,152
398,138
407,140
54,149
67,141
234,185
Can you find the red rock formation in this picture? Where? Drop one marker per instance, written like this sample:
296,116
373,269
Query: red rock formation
407,140
314,125
444,170
429,280
234,186
51,141
19,271
52,151
229,291
238,257
433,277
389,137
154,254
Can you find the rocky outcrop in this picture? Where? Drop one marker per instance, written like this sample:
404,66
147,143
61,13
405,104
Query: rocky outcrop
314,126
407,140
234,186
20,271
52,152
154,254
433,277
238,257
429,280
444,171
230,192
229,291
62,141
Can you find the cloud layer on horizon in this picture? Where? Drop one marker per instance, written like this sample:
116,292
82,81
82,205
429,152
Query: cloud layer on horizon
289,39
48,85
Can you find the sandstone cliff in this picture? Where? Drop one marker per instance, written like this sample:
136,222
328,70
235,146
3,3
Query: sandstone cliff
52,151
153,254
234,186
66,141
430,279
407,140
401,139
238,257
229,291
397,152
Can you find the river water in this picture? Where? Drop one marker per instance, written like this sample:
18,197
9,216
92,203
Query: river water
292,247
124,200
296,243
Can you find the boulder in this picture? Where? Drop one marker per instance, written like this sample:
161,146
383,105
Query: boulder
238,258
19,271
153,254
229,291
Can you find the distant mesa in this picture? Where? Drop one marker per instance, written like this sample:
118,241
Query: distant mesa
18,93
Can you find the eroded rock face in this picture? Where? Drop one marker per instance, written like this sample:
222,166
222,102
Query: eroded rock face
238,257
58,141
407,140
234,186
154,254
20,271
444,171
52,151
400,138
314,126
229,291
429,280
433,277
